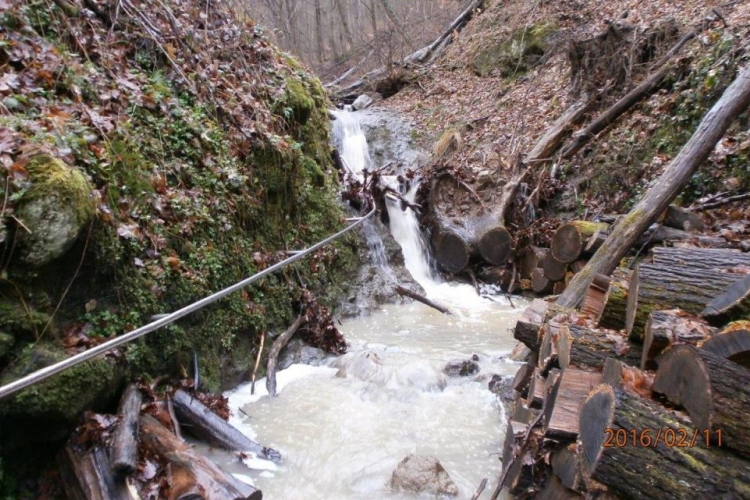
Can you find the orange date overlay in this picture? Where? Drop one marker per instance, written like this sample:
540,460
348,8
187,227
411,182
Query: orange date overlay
671,438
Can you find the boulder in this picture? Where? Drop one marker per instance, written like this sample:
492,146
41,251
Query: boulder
54,210
362,102
461,368
298,351
362,365
423,474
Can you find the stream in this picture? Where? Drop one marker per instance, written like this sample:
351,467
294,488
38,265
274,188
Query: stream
342,426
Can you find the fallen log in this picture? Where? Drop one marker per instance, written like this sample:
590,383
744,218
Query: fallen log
660,234
626,231
86,475
619,449
596,297
530,323
204,424
732,343
565,401
702,258
276,348
679,218
716,394
659,286
615,307
522,379
535,396
192,476
733,304
564,462
555,133
553,268
482,237
671,327
586,348
124,446
421,298
596,240
570,239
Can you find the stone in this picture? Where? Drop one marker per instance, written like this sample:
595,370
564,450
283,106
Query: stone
54,210
503,387
423,474
461,368
298,351
362,365
362,102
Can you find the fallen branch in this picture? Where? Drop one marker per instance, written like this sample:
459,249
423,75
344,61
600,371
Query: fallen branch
124,450
480,489
276,348
421,298
257,361
720,202
626,231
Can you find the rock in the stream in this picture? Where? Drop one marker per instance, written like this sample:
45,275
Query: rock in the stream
298,351
520,353
503,387
423,474
362,102
362,365
461,368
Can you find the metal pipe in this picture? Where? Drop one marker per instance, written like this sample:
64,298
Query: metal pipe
46,372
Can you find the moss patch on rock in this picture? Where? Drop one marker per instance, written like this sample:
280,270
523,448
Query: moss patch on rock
53,210
514,56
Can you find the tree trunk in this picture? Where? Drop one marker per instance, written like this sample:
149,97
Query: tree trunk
574,386
674,178
644,468
732,343
679,218
345,22
733,304
124,447
530,323
564,463
481,237
530,259
571,239
204,424
658,286
665,328
522,379
193,477
540,284
86,475
276,348
716,394
319,52
554,135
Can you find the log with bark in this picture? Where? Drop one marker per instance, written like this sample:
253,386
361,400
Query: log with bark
276,348
596,297
200,421
565,400
588,348
661,286
554,135
522,379
679,218
658,234
570,239
124,446
86,474
483,236
540,284
732,343
714,259
530,323
615,307
611,419
714,391
733,304
675,177
671,327
192,477
564,462
535,396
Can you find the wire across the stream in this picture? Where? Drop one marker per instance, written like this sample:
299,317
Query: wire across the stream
45,373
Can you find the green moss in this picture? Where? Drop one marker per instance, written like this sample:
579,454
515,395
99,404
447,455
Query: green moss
513,57
19,322
60,400
298,101
50,177
6,343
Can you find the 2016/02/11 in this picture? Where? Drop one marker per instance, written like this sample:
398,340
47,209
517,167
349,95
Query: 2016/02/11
650,438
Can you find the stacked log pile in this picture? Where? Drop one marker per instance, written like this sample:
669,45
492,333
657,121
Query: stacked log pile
140,453
644,392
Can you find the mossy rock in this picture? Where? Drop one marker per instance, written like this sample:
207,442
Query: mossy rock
54,406
54,210
298,99
516,56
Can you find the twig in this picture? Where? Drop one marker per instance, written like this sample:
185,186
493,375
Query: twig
511,284
257,361
172,416
720,202
480,489
276,348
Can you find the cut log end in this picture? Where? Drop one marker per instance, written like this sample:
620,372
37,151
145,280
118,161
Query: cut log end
683,379
496,245
451,252
732,343
570,240
596,415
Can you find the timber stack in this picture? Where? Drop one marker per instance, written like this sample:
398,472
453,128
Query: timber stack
140,453
642,393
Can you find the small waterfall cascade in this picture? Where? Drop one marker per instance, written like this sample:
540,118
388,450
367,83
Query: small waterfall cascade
351,142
